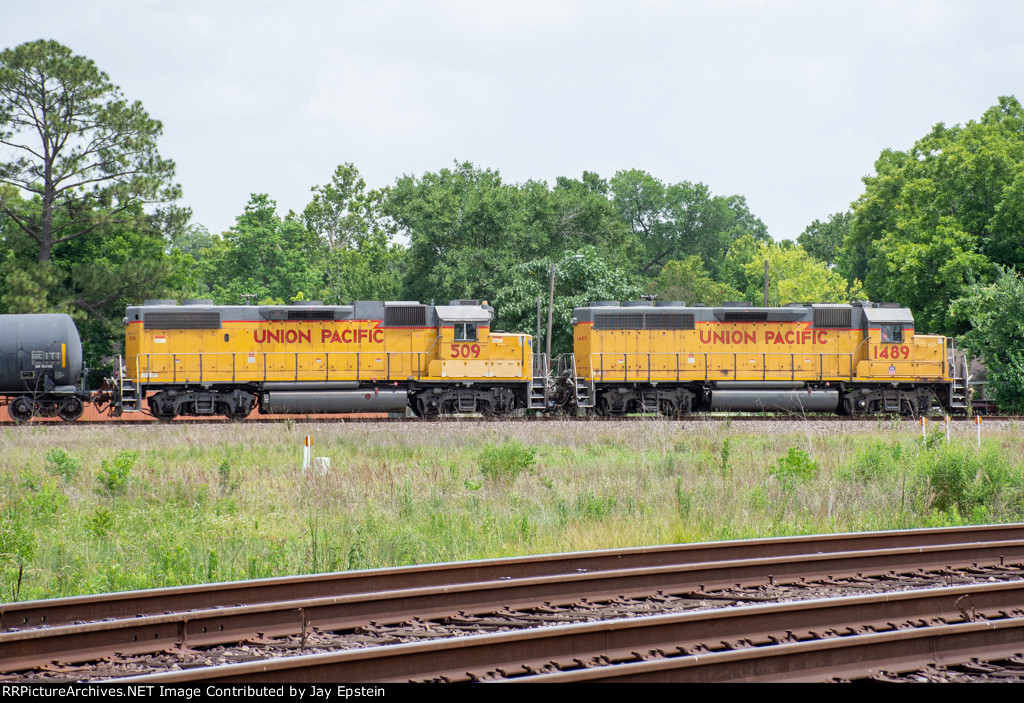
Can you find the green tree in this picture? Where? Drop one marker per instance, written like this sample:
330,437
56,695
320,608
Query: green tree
272,258
84,155
689,282
673,221
362,262
940,217
579,279
339,210
995,316
794,276
824,240
468,229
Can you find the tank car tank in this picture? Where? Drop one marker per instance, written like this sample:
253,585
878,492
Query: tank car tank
41,373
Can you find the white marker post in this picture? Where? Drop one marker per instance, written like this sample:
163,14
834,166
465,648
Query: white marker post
924,423
306,452
947,429
977,421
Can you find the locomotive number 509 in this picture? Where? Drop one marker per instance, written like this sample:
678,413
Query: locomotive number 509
465,351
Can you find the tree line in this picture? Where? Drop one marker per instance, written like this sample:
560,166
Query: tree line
91,220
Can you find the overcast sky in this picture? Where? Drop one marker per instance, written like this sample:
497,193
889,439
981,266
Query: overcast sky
785,103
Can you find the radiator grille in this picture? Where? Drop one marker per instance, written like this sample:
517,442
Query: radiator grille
311,314
408,316
746,316
182,320
832,317
641,321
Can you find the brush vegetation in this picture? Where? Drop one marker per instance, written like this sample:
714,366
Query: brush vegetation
97,509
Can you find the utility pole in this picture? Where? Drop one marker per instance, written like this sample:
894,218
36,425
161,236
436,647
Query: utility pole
766,282
551,307
538,318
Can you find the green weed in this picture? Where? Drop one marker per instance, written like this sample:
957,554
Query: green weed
504,462
63,464
114,474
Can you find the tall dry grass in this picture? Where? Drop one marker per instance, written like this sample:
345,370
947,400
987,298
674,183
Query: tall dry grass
92,509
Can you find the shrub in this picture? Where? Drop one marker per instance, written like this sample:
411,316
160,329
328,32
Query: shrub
504,462
875,461
795,467
61,463
114,474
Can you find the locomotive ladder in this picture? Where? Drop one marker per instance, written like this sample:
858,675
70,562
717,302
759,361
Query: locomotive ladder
539,385
958,373
127,391
584,390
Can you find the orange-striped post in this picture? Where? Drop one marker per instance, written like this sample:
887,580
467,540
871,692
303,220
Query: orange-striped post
306,452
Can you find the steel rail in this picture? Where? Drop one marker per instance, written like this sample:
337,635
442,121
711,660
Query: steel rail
720,416
846,658
75,643
133,604
798,640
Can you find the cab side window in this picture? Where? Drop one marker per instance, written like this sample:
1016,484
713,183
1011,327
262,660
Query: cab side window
892,333
465,332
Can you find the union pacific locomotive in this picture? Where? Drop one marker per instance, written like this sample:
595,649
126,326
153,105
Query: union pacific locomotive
675,359
203,359
197,358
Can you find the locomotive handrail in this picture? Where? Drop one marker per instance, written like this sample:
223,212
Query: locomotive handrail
787,369
267,359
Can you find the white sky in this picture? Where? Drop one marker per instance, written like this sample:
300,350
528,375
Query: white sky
786,103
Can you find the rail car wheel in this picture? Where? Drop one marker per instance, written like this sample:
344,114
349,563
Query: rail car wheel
20,410
70,409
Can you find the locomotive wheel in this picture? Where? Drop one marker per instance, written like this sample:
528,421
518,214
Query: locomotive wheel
70,409
425,408
233,412
161,413
20,410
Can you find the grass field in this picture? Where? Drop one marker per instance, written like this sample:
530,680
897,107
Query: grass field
94,509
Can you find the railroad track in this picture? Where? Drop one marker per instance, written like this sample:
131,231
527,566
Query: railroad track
697,417
814,640
39,633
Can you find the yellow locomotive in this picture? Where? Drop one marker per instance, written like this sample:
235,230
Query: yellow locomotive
672,358
197,358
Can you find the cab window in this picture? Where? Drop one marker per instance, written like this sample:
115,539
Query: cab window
892,333
465,332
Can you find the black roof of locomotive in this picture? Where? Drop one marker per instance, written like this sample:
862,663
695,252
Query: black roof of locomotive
794,312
